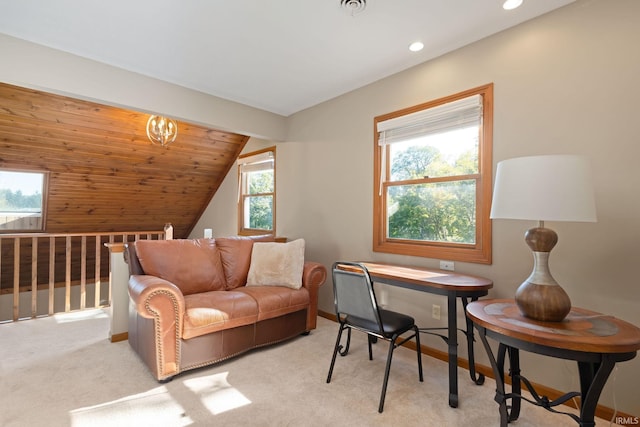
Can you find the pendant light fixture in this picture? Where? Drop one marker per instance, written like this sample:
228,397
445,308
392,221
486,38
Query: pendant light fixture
162,130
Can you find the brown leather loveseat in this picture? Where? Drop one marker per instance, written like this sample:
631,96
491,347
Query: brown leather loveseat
191,306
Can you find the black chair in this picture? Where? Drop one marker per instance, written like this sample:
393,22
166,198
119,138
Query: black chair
357,308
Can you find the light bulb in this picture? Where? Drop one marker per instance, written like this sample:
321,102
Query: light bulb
511,4
416,46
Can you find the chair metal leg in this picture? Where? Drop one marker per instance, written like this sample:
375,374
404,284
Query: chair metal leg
344,350
392,346
337,348
419,351
370,341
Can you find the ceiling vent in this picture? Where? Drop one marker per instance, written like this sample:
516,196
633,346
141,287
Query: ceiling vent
354,6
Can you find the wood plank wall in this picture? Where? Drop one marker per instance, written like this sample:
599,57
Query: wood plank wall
104,173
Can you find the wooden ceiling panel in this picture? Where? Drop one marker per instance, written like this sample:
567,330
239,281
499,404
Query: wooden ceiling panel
105,175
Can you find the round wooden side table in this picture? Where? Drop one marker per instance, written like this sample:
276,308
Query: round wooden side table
594,340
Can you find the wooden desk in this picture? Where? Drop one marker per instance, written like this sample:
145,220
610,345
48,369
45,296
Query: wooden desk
596,341
453,286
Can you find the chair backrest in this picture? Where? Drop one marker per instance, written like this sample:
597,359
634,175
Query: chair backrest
353,293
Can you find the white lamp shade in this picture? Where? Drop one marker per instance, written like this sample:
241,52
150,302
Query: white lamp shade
544,188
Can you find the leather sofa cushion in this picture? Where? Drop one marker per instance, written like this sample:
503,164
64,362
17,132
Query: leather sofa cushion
192,265
274,301
217,310
235,254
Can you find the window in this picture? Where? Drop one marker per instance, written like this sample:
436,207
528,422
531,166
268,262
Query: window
257,192
432,172
21,200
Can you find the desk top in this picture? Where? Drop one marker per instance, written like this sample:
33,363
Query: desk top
582,330
447,280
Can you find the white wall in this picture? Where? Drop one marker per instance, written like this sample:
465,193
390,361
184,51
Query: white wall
30,65
566,82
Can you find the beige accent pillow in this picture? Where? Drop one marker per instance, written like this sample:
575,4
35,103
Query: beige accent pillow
277,264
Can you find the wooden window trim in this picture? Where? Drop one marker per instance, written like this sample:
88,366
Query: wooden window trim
480,252
252,231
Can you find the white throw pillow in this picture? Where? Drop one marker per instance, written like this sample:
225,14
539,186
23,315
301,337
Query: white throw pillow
277,264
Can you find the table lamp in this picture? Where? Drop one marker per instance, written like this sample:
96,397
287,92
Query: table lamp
543,188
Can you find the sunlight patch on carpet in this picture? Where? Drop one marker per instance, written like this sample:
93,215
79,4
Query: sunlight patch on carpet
76,316
155,407
216,394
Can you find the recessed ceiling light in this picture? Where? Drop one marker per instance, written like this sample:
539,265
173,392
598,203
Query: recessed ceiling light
511,4
354,6
416,46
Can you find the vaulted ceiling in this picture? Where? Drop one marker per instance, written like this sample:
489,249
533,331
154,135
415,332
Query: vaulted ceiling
104,173
277,55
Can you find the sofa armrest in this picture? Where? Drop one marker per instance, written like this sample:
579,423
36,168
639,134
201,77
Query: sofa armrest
314,275
160,300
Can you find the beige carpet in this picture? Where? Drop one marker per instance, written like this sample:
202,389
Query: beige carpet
62,371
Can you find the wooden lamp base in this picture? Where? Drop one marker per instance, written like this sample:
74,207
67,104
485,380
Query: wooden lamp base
540,297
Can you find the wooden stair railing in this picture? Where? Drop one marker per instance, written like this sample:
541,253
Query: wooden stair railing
40,266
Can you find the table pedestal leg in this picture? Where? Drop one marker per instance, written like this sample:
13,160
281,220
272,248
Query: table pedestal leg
452,342
498,373
453,350
476,377
593,377
514,373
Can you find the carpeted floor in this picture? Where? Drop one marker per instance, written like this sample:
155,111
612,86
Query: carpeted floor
63,371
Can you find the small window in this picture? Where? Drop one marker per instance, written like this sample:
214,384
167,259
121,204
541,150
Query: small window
257,192
433,179
22,204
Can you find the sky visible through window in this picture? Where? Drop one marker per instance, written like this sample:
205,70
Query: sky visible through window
450,144
26,182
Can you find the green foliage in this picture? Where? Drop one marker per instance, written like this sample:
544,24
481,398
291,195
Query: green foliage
11,201
415,162
260,206
261,212
260,182
439,211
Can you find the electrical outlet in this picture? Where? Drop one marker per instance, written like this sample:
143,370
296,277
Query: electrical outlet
435,311
447,265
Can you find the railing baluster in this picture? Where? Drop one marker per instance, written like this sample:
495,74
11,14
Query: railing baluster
16,279
97,278
83,273
0,259
34,276
67,279
52,272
